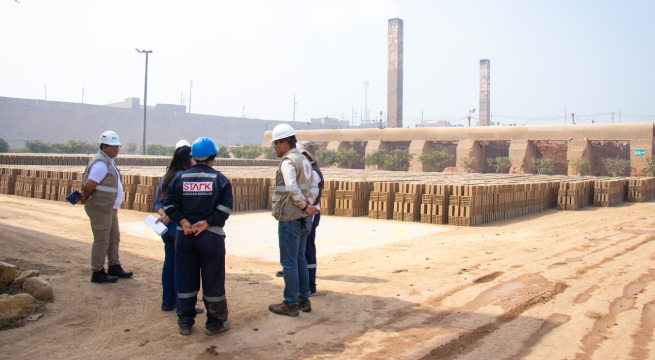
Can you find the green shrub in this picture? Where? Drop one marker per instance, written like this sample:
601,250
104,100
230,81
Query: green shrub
434,159
501,163
375,158
346,158
580,166
468,163
398,160
542,165
326,158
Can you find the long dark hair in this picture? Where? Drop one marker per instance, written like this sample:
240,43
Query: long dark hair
181,161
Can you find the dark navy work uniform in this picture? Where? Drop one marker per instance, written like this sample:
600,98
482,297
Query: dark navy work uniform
200,193
310,249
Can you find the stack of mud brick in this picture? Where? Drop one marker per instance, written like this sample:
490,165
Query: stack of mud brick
328,197
250,193
146,190
407,202
271,190
351,198
640,190
575,195
610,192
434,205
8,180
69,181
380,205
480,204
130,184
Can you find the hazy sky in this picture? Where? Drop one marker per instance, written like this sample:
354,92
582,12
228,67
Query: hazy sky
590,57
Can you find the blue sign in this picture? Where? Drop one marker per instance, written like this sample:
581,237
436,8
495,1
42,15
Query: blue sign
640,152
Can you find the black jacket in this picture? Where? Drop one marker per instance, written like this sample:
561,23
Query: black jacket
200,193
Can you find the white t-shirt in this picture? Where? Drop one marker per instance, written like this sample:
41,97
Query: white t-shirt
98,172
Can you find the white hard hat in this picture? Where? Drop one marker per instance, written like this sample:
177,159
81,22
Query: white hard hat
182,143
282,131
109,138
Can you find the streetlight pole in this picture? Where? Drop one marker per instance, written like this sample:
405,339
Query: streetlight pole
470,111
145,99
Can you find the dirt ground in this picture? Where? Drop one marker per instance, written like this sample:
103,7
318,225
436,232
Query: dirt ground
554,285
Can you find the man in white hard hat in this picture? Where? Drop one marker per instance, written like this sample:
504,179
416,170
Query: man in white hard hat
308,149
292,208
102,194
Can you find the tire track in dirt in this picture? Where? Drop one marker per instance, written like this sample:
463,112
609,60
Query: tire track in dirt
467,342
438,318
595,337
644,335
547,326
402,314
634,247
586,295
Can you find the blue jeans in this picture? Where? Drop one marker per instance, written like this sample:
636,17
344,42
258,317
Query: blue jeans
169,295
292,236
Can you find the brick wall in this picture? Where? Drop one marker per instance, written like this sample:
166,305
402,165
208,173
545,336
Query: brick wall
494,149
556,152
609,149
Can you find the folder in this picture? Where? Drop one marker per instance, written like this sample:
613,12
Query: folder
157,227
72,197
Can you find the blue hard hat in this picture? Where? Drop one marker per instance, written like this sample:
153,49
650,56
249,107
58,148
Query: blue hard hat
203,147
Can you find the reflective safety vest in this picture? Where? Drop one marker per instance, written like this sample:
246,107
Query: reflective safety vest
103,198
284,209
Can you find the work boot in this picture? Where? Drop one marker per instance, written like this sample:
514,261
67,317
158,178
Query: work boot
185,331
117,270
102,277
225,326
168,307
305,306
283,309
279,273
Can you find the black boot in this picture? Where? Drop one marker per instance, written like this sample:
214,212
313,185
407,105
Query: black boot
117,270
102,277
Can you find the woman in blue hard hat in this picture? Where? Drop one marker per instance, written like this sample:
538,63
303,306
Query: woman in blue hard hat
181,161
199,200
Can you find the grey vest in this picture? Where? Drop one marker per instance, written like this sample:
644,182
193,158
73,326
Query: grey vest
103,198
284,209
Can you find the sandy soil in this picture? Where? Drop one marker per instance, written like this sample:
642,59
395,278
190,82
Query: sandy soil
554,285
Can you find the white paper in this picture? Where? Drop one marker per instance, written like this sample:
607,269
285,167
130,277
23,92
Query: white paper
158,227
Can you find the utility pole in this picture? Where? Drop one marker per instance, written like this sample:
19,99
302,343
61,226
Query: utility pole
366,115
145,99
294,107
83,93
190,87
573,118
243,112
45,88
470,111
